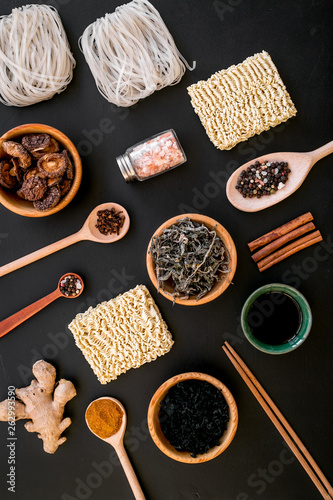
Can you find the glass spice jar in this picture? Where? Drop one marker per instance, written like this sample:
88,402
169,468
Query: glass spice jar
151,157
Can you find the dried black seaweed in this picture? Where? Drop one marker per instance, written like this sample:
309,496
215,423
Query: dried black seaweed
191,257
193,416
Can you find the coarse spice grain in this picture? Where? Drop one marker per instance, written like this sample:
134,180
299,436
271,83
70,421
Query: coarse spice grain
109,221
157,155
104,417
262,179
70,286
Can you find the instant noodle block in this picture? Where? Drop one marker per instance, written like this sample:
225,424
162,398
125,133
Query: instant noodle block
120,334
241,101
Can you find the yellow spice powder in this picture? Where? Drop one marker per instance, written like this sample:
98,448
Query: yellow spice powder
104,417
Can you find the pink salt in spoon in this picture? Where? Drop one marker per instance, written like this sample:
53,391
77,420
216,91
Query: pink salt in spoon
18,318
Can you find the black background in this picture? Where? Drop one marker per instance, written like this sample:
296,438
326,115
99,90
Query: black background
298,36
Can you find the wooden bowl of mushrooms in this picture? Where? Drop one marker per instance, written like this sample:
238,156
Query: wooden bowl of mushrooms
40,170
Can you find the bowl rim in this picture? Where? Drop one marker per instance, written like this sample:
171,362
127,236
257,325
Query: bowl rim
219,287
27,128
306,319
164,445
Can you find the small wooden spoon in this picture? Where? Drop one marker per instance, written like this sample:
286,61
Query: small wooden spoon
300,165
16,319
87,232
117,441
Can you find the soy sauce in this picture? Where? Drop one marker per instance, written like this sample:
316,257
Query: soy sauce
275,318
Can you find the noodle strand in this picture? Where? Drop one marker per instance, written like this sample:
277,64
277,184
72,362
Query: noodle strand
35,57
131,53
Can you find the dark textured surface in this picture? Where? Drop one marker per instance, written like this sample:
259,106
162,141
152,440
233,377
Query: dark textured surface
257,465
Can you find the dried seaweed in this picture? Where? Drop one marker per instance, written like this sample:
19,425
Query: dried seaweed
193,416
190,257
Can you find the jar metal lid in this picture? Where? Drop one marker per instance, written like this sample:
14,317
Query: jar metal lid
126,167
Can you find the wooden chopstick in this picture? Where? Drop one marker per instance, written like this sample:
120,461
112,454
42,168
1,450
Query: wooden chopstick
281,424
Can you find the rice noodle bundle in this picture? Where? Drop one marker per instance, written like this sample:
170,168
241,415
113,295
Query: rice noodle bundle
131,53
35,57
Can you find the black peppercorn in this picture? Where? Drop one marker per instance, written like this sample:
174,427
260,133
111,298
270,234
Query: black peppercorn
263,178
70,286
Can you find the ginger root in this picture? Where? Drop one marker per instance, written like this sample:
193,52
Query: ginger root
43,403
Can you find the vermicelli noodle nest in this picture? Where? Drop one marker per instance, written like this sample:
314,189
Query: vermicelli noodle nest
35,57
131,53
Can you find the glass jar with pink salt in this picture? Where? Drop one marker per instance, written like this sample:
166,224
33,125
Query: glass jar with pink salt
154,156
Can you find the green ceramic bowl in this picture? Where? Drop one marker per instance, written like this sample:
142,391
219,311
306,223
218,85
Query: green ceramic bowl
303,331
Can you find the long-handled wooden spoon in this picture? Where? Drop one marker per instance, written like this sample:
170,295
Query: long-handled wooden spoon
16,319
117,441
87,232
300,165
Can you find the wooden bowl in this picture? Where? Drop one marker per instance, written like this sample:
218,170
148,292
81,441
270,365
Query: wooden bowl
219,286
161,441
11,200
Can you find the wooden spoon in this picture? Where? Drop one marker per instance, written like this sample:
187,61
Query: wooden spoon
117,441
300,165
16,319
87,232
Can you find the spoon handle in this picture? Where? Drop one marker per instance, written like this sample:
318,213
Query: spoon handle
39,254
320,153
16,319
129,471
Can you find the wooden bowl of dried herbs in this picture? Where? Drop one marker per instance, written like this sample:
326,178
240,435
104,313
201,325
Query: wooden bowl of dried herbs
191,259
192,418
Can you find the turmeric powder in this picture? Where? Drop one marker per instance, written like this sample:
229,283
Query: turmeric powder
104,417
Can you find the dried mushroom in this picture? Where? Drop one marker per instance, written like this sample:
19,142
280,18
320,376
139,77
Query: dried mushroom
49,200
17,151
33,172
33,188
54,148
17,170
40,144
69,167
53,181
7,179
65,186
43,178
52,164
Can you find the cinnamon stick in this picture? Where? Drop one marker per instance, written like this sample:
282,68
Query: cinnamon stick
280,231
285,252
281,241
